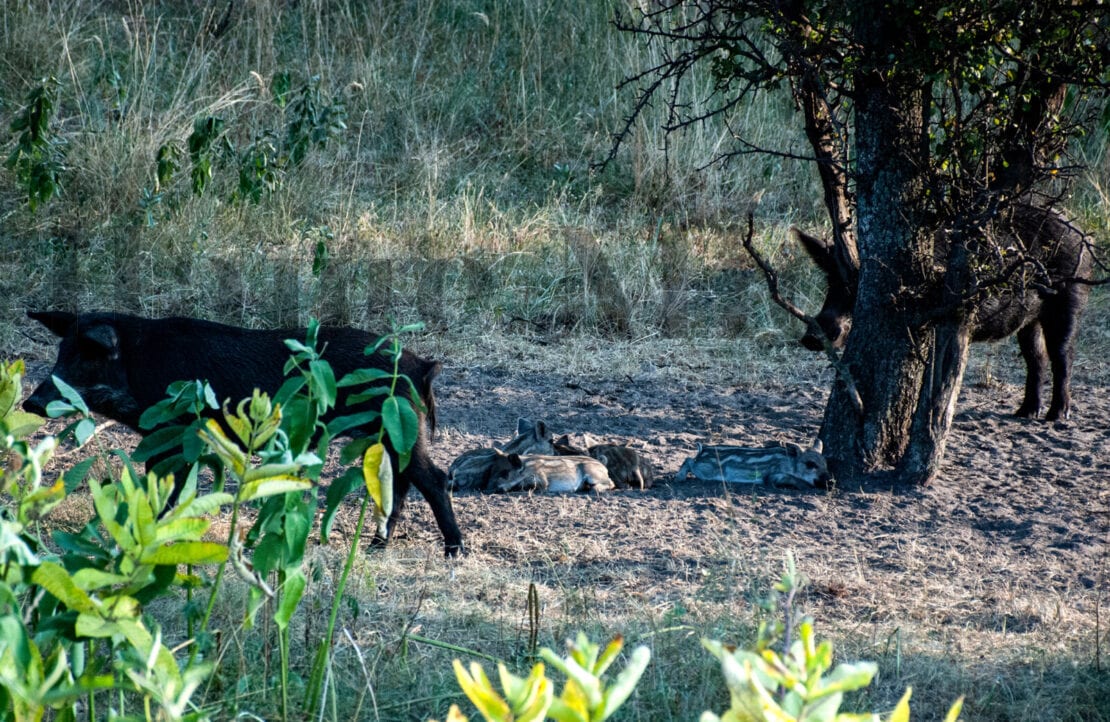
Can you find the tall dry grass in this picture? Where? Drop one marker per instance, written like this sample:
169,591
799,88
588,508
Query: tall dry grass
464,190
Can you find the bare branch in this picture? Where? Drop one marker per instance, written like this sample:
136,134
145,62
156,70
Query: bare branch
811,323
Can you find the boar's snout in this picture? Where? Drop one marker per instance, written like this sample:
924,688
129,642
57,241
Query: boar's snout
834,325
43,395
811,342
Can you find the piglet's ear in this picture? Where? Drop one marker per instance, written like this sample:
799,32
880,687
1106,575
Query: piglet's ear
524,426
103,338
515,460
60,322
818,446
792,449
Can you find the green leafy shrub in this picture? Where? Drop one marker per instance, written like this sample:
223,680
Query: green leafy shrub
71,607
38,158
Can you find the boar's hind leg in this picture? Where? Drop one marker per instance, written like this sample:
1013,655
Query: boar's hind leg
1059,332
1032,342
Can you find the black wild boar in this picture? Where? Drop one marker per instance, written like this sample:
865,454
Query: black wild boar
123,364
1045,319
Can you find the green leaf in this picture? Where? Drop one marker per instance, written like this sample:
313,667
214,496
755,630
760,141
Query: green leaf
338,490
77,473
158,442
402,425
354,450
185,552
57,581
364,376
340,424
625,682
324,381
291,592
71,395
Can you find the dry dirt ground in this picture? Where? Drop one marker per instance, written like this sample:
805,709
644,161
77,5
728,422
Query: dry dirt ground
1008,549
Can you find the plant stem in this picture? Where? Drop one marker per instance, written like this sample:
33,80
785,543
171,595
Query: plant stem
322,652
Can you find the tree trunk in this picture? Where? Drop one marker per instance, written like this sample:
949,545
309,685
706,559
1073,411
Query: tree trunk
906,365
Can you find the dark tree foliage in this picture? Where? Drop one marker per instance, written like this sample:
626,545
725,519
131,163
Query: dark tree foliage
931,124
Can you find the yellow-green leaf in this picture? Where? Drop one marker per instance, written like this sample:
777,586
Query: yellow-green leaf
21,424
229,452
90,579
272,486
187,528
480,692
377,472
901,711
56,580
185,552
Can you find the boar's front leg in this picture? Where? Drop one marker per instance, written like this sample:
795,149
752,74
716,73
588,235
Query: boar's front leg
432,484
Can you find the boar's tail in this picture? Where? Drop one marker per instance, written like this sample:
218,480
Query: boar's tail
429,371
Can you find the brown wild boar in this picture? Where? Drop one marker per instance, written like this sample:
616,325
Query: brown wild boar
788,464
627,469
555,474
472,469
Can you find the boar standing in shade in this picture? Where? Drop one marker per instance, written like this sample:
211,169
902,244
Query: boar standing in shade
123,364
1044,313
555,474
786,465
472,469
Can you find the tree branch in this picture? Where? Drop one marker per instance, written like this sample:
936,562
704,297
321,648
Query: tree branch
811,323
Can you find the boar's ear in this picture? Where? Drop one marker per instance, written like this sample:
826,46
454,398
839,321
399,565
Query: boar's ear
820,250
103,338
60,322
524,426
563,440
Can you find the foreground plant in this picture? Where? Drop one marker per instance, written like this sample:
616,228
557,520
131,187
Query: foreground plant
585,698
795,684
71,621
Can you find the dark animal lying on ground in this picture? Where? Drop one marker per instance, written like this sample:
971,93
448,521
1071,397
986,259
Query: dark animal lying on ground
472,469
555,474
123,364
627,469
1045,318
786,465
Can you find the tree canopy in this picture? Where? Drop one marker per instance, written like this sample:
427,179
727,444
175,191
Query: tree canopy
928,122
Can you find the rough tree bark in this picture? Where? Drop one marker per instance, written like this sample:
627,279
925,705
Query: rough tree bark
907,368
